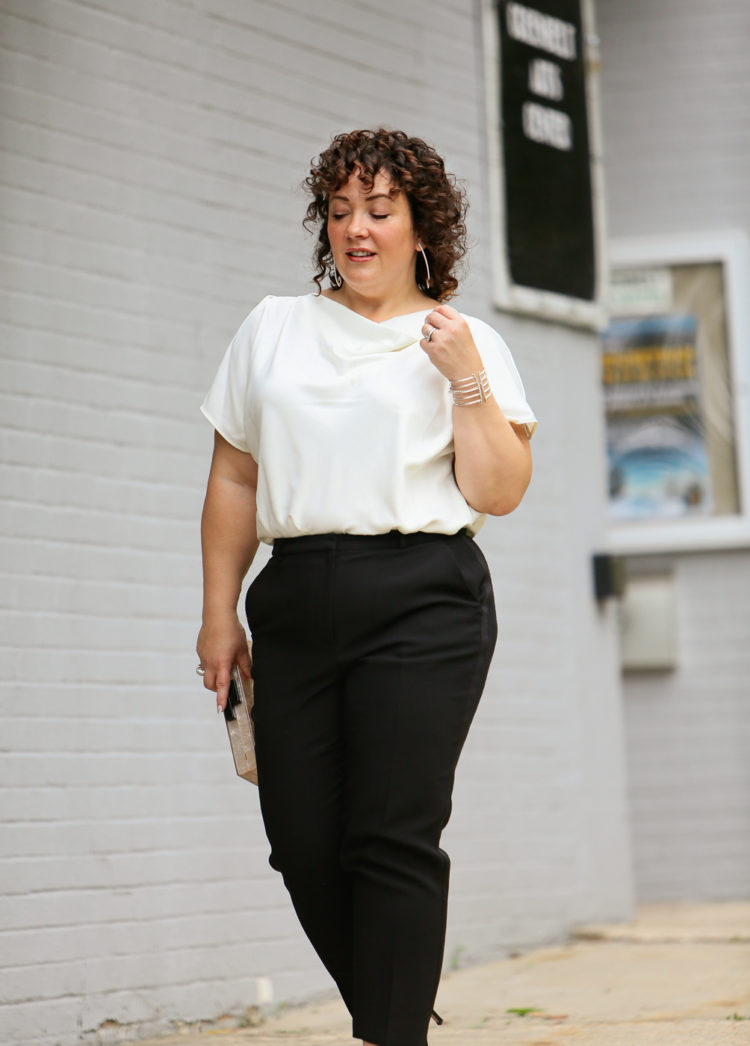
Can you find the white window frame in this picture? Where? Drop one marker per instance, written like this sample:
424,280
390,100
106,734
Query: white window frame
732,250
507,295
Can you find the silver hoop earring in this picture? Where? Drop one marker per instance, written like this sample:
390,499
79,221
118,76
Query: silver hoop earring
335,277
426,264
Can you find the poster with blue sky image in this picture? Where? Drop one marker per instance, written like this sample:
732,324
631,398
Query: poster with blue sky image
656,447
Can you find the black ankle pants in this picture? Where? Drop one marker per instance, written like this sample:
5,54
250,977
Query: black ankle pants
369,659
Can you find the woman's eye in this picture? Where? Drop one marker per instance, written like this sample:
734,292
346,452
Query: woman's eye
338,216
380,216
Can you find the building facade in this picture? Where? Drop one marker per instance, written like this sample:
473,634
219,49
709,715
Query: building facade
152,156
675,98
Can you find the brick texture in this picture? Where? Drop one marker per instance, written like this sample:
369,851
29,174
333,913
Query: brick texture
688,733
675,97
149,196
676,94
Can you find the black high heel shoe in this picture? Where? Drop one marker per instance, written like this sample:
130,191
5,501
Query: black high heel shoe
436,1017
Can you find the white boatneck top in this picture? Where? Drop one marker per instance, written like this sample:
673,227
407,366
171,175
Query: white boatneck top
349,422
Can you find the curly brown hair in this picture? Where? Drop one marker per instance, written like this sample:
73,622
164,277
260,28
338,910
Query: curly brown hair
437,201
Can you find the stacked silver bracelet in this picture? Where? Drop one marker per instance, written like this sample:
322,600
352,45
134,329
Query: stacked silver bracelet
471,391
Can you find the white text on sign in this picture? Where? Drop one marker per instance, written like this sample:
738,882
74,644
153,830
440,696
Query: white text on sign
545,32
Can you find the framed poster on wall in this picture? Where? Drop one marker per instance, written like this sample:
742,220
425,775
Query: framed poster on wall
543,153
675,375
656,420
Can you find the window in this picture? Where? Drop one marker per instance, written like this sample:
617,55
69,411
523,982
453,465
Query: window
674,363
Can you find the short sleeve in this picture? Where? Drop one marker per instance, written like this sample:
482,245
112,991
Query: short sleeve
504,379
227,403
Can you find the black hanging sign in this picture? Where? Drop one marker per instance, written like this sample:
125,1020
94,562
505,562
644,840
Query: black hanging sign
549,215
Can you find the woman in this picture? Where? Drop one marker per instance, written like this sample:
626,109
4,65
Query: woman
364,430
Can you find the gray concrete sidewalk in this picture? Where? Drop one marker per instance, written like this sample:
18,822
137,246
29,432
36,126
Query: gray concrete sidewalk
678,976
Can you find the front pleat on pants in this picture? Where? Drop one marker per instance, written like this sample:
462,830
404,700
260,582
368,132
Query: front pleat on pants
369,659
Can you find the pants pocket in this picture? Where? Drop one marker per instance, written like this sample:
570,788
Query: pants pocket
470,566
257,594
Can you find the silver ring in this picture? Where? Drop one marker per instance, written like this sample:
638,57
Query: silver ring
200,670
430,332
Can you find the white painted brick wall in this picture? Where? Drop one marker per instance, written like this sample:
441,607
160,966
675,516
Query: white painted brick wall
152,154
676,97
688,738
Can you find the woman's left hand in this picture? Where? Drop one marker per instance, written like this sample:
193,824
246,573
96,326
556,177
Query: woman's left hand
450,347
492,462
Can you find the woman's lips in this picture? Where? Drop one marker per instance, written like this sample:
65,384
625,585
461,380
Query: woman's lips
360,257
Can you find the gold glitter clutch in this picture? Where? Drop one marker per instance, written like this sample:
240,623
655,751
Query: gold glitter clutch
239,720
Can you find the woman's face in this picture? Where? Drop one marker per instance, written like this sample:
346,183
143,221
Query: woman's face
372,237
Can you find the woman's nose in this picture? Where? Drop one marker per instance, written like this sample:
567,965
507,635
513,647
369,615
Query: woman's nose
356,227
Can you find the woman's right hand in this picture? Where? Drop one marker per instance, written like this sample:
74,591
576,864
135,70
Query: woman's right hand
229,540
221,645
